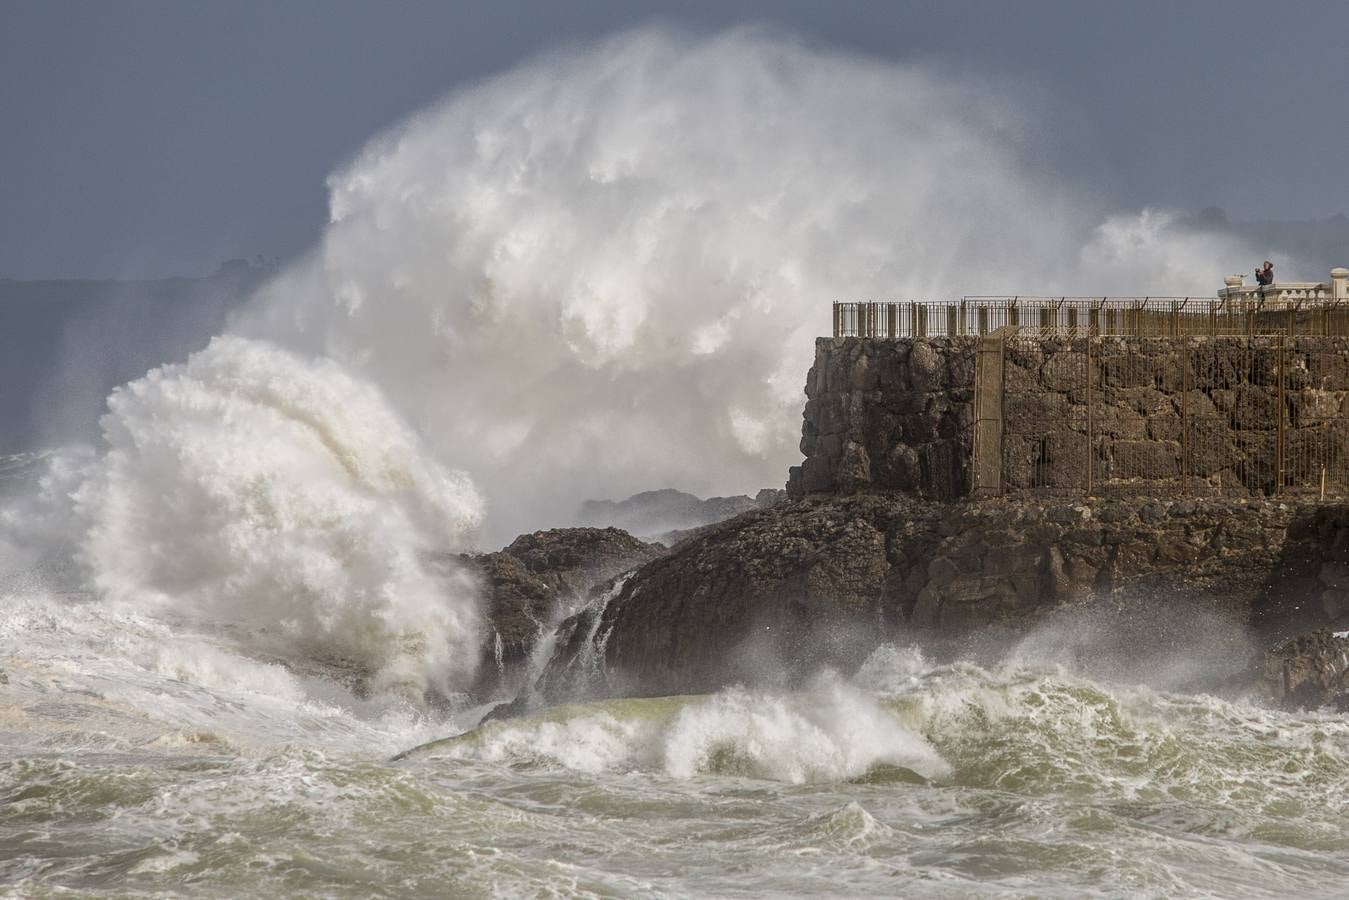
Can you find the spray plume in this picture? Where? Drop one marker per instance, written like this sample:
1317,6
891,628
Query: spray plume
603,272
251,488
598,273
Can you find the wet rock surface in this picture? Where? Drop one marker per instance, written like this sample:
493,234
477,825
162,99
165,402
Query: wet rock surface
576,559
528,585
774,594
888,414
1309,671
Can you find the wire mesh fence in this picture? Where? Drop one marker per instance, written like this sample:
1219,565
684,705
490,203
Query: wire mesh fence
1089,316
1262,415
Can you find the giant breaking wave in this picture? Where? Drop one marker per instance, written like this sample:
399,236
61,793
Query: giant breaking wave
604,271
598,273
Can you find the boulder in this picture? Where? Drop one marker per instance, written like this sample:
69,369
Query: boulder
888,414
536,581
1309,671
576,559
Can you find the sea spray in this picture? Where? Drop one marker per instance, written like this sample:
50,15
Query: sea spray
1006,728
569,663
832,733
124,774
279,502
604,271
598,273
498,653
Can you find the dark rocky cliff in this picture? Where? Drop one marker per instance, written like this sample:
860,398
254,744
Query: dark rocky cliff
1309,671
777,593
1131,497
895,415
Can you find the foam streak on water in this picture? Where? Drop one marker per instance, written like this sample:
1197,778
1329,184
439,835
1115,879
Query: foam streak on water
912,779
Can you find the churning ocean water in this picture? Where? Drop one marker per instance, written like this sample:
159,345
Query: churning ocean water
143,759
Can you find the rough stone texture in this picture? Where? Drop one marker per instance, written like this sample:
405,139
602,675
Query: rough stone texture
894,413
897,414
880,541
1309,671
528,585
824,580
576,559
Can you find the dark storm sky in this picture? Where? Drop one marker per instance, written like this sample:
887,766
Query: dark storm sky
143,139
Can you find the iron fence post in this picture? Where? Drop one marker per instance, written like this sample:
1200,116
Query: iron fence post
1278,418
1185,419
1091,449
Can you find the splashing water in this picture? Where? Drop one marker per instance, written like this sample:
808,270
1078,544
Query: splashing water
831,734
254,490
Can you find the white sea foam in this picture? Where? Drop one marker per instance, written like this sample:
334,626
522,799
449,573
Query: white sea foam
277,499
832,733
85,673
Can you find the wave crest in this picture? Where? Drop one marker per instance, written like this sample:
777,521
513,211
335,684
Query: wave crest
281,502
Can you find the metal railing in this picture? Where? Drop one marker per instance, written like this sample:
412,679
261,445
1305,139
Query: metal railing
1090,317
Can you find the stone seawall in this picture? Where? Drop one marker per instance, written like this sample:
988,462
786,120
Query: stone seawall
1116,415
1204,415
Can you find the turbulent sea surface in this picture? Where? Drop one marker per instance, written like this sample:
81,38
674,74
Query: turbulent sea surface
139,757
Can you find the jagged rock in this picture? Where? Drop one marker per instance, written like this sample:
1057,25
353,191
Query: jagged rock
820,581
531,584
517,604
768,497
1309,671
894,415
743,594
576,559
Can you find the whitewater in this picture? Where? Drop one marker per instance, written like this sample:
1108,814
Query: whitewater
238,647
123,773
